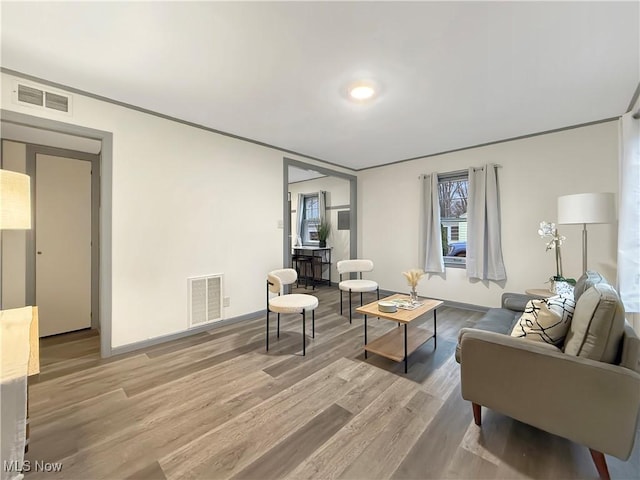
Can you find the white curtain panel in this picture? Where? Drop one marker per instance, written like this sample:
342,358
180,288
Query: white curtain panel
484,245
430,255
629,214
322,205
299,217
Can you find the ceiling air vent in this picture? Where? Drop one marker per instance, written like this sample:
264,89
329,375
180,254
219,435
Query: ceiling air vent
30,95
41,97
56,102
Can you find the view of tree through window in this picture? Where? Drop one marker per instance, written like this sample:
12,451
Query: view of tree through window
453,192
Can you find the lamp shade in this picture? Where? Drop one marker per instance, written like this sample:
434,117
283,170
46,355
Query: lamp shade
587,208
15,201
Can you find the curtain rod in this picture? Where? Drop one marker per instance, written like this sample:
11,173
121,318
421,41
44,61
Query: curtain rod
459,172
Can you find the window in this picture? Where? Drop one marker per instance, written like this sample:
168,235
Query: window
310,220
453,189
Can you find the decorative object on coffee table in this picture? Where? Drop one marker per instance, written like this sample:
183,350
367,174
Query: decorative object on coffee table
413,276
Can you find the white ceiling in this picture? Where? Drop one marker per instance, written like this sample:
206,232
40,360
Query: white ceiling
451,74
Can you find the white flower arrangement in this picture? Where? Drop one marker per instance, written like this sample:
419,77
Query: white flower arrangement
549,231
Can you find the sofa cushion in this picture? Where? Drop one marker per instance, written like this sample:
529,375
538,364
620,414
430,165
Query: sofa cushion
545,320
597,326
586,281
497,320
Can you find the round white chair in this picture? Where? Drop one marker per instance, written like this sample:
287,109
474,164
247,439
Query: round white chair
356,285
289,303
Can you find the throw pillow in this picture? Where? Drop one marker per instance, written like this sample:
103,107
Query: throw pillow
545,320
564,289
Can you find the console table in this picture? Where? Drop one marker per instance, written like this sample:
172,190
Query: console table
313,264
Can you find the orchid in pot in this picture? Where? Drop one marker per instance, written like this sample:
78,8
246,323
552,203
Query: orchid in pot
549,232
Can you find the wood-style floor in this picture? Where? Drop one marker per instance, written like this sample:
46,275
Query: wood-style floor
216,405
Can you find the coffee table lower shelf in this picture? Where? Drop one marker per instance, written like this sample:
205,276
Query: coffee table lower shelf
391,344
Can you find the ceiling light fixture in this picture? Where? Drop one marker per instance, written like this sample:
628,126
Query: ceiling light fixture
361,91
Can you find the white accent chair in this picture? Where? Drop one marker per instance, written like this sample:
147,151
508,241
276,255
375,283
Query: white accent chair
289,303
357,285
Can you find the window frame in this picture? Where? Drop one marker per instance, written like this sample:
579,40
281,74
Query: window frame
309,222
448,222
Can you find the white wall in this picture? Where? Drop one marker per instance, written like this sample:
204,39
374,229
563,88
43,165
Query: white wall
338,191
186,202
535,171
13,241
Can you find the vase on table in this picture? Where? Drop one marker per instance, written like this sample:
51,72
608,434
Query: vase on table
413,296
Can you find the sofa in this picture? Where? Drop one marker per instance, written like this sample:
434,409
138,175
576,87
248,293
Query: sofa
586,389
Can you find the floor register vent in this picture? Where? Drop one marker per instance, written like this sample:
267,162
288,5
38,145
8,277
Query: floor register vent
205,299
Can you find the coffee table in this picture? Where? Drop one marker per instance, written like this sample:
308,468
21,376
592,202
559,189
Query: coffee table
394,345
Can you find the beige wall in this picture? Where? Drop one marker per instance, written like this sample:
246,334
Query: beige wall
13,241
535,171
338,191
185,202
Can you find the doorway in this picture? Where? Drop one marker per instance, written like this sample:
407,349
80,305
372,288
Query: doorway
101,222
63,243
348,236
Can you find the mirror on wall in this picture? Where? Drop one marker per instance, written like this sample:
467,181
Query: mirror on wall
309,192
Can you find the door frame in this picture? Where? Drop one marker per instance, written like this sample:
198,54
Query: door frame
105,179
353,206
94,159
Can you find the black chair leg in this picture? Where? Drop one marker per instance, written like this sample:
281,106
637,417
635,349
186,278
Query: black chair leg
313,324
278,325
304,340
349,306
267,329
340,302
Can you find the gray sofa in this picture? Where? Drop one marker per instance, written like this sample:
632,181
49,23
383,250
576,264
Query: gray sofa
587,391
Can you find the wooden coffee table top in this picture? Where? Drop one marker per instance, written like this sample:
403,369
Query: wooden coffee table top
402,316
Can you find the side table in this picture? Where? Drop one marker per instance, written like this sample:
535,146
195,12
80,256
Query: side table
539,292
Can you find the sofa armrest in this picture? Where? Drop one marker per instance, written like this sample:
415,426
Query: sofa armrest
515,301
592,403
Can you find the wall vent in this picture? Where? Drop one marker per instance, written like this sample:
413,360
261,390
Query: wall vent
37,96
205,299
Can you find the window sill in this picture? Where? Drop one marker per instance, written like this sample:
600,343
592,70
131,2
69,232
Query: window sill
455,262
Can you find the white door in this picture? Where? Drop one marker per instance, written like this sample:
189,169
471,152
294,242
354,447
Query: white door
63,244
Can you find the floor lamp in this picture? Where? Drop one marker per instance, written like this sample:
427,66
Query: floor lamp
586,208
15,214
15,201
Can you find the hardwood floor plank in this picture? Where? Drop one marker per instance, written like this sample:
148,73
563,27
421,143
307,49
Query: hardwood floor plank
465,464
136,386
288,454
381,458
335,456
152,471
428,458
230,448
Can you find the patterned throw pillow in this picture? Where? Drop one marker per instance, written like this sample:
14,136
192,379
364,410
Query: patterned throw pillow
564,289
545,320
